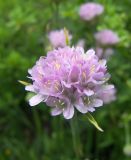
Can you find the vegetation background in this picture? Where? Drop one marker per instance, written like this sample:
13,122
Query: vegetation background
31,133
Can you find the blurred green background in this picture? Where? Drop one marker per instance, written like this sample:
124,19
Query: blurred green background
31,133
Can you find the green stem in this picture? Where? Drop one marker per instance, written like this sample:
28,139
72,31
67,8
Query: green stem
127,133
37,122
75,137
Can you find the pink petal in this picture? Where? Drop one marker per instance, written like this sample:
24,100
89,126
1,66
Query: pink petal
66,84
74,74
29,88
68,112
88,92
56,111
36,100
90,52
91,109
81,108
97,103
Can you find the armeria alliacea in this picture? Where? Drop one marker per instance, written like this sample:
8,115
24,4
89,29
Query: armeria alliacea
90,10
68,79
57,38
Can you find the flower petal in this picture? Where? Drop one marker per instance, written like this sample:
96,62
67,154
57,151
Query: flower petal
90,52
74,74
67,85
56,111
108,87
36,100
88,92
30,88
91,109
97,103
81,108
68,112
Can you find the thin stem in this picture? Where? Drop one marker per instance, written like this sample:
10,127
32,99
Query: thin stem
127,132
75,137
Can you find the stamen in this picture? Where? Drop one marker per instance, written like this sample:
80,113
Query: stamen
56,87
84,98
62,103
57,65
89,100
84,75
92,68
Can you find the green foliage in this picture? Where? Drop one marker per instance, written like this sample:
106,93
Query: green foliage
31,133
93,121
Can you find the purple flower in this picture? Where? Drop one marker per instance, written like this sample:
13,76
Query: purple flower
67,79
104,53
108,52
106,37
108,93
99,52
57,38
89,11
81,43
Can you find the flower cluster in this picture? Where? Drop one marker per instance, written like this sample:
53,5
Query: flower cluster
57,38
89,11
68,78
106,37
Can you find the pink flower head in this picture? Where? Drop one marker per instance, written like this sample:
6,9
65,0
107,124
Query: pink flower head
89,11
106,37
68,79
57,38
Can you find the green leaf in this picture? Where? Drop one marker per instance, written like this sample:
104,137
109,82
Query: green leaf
66,36
24,83
93,121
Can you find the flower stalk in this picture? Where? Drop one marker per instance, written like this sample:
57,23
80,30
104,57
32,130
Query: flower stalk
127,133
76,137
